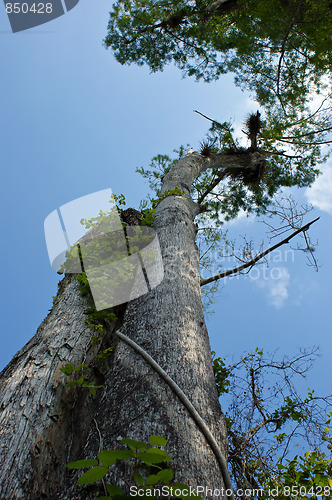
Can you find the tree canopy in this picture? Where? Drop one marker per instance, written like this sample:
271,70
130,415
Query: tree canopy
279,50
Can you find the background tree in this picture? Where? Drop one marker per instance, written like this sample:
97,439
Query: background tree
279,439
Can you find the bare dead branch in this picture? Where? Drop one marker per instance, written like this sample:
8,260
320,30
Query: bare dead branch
253,261
204,116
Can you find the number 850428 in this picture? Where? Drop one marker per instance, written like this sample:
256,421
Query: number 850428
24,8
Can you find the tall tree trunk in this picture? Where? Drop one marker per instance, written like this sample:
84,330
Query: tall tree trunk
44,424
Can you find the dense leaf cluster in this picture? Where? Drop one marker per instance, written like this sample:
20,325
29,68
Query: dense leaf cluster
149,470
278,48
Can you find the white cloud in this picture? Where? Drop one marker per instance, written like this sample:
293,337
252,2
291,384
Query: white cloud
304,291
242,218
320,194
275,281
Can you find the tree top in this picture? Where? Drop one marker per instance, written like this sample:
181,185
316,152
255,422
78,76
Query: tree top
279,49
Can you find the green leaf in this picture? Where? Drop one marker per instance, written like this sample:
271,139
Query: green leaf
79,367
113,490
67,369
92,475
158,451
109,457
80,464
138,478
157,441
165,475
135,445
153,479
153,458
71,383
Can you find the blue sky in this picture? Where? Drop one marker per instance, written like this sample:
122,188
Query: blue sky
73,121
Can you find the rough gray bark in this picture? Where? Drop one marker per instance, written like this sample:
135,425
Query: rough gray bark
41,418
44,425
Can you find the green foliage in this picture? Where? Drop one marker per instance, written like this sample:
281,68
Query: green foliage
160,165
275,47
80,464
221,374
148,464
148,216
93,475
83,377
95,240
95,321
157,441
106,353
83,281
279,50
100,251
169,192
290,410
119,199
149,213
252,190
307,476
266,418
69,368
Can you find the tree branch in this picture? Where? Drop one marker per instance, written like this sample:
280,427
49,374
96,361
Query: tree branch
327,129
306,143
204,116
253,261
211,187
